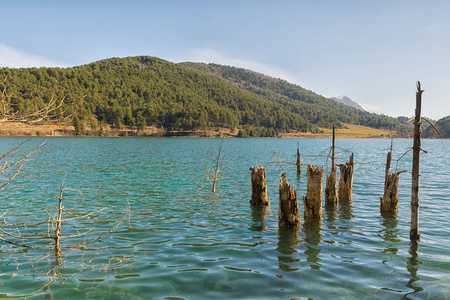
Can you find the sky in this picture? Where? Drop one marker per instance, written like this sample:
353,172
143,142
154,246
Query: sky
371,51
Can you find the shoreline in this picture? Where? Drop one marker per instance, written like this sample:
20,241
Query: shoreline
17,129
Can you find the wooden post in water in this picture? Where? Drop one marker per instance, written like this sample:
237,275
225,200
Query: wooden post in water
313,199
346,180
414,233
259,187
298,163
330,188
288,214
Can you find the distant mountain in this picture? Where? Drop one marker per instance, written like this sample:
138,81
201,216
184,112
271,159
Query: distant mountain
347,101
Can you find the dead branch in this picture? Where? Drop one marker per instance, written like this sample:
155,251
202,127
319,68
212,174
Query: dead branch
17,244
281,161
54,225
42,110
410,119
432,125
127,212
214,174
21,161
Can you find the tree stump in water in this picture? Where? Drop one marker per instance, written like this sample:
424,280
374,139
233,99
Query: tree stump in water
313,199
346,180
259,187
288,214
298,163
389,201
330,189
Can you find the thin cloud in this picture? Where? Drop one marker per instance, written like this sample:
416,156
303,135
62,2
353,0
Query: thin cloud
212,56
13,58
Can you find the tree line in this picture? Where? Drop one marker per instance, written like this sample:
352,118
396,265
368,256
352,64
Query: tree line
140,91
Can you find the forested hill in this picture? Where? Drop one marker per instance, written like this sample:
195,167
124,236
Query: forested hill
313,107
142,91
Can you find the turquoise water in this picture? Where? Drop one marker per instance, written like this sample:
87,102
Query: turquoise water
183,242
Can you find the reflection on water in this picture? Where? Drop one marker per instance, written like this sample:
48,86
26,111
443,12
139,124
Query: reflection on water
411,266
345,210
391,235
287,240
259,217
311,229
390,232
330,213
51,279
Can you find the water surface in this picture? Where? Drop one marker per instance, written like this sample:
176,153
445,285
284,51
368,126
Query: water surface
183,242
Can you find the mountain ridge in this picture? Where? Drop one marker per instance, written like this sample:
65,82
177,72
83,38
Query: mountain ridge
347,101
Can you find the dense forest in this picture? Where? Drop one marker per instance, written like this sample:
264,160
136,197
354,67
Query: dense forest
140,91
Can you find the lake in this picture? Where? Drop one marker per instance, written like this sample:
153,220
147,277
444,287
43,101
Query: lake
181,241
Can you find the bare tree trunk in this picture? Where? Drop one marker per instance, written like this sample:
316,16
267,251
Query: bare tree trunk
58,224
330,188
298,163
346,180
313,199
259,187
216,170
414,233
288,214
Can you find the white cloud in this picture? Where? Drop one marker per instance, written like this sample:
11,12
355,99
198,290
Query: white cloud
13,58
211,56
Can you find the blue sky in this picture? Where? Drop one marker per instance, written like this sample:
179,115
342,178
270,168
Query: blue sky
372,51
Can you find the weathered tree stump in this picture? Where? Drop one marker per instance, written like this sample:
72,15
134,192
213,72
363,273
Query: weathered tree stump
346,180
259,187
313,199
289,213
298,163
330,188
389,201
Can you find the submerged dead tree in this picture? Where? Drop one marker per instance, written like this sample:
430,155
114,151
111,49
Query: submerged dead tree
330,188
259,187
414,233
299,161
31,233
289,213
389,201
313,199
346,180
214,173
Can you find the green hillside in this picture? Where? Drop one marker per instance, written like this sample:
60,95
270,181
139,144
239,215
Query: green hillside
315,108
142,91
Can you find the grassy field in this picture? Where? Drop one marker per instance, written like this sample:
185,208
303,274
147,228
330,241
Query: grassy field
21,129
349,131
